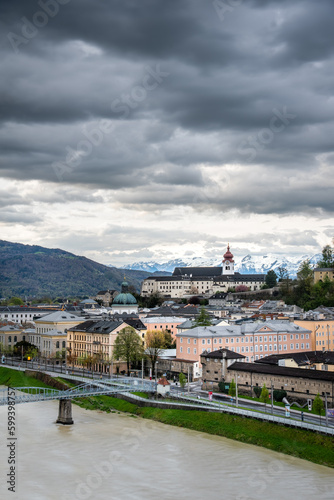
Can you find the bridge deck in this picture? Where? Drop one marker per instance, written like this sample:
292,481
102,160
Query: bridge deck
96,388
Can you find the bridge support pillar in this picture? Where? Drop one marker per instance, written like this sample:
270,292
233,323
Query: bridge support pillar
65,412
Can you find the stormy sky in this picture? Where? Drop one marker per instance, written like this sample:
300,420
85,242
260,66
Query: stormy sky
154,129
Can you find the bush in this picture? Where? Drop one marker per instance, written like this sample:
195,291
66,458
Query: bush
257,391
221,386
279,394
232,389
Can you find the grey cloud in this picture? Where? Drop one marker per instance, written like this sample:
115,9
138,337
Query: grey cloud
225,79
12,216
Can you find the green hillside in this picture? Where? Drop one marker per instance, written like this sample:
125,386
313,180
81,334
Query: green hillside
36,271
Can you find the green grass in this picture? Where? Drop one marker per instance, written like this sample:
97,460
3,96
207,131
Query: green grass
66,382
142,394
307,445
15,378
105,403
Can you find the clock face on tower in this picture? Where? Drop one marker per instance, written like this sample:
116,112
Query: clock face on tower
228,262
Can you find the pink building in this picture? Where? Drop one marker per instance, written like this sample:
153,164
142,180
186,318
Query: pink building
169,323
253,340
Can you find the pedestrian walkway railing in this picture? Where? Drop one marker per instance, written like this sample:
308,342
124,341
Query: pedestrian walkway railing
93,388
223,407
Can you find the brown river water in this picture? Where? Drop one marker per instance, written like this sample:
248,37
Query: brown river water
120,457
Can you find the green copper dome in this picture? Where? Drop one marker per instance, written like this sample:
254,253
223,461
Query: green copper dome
125,297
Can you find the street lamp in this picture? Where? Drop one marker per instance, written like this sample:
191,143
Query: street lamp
156,368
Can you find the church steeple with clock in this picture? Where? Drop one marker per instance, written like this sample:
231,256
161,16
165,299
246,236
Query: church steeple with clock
228,263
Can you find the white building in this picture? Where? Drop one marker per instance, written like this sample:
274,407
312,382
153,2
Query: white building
188,281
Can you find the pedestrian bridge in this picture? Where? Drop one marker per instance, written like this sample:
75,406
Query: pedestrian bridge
18,395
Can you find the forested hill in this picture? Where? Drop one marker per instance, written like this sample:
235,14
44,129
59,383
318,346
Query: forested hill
37,271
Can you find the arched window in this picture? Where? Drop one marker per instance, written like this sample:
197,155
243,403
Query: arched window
64,344
15,338
9,338
23,337
57,344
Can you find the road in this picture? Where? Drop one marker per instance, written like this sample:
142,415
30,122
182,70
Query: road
195,387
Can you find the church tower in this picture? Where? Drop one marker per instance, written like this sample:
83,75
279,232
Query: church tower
228,263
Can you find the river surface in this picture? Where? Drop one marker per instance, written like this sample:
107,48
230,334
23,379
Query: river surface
120,457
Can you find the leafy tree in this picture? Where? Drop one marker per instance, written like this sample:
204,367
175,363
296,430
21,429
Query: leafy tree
32,352
155,343
170,343
232,389
257,391
318,405
203,318
327,257
221,386
242,288
155,300
282,273
194,300
284,279
279,394
128,346
305,271
182,380
271,278
15,301
23,347
264,396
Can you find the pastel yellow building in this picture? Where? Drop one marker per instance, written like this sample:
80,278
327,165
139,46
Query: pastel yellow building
59,320
322,333
320,273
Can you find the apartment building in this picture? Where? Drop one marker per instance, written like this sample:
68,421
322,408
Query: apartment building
253,340
322,333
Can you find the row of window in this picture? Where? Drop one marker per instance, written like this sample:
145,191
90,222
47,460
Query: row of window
257,348
249,339
17,315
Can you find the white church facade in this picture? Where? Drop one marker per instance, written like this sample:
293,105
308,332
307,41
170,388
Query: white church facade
205,281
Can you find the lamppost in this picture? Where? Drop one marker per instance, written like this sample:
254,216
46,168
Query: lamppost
97,343
236,391
156,369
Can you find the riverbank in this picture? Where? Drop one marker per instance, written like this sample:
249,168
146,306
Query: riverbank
306,445
316,448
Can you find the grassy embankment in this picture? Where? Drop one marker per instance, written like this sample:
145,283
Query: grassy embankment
307,445
281,404
15,378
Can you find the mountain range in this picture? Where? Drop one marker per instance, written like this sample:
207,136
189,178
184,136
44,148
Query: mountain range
247,264
35,271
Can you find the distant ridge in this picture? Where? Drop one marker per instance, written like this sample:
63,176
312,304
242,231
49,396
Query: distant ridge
31,270
247,264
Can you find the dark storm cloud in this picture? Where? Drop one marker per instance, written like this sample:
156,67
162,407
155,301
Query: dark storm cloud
224,83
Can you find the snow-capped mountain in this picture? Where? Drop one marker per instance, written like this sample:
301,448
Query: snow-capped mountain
249,264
